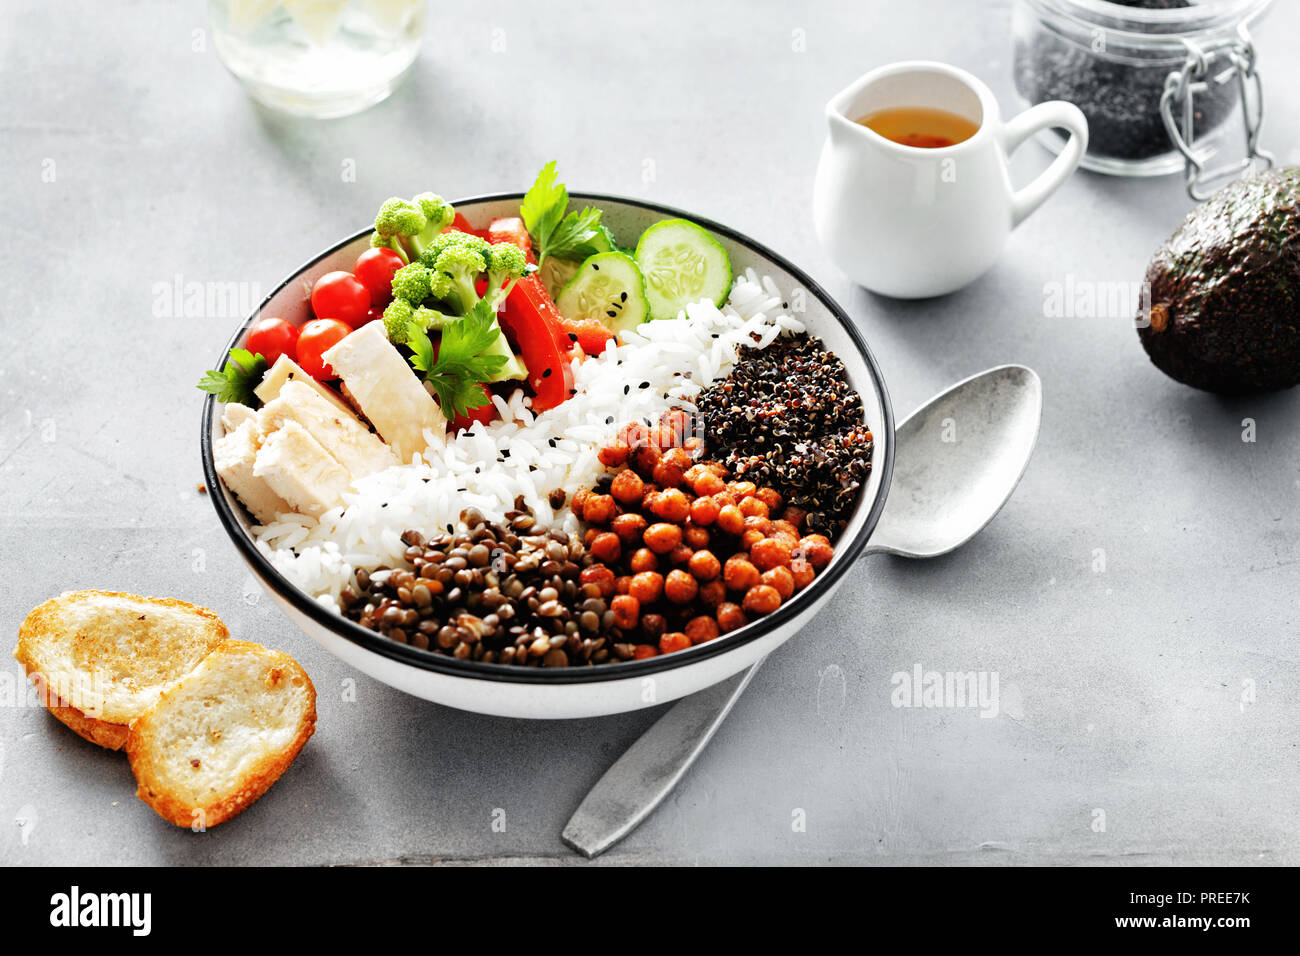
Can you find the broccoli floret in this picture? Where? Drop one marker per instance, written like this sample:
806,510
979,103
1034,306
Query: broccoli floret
457,261
400,313
436,210
409,226
506,263
440,282
413,282
378,241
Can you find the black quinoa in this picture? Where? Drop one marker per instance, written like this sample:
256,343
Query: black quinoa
787,417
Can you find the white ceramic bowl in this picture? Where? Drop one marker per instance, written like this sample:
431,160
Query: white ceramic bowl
510,691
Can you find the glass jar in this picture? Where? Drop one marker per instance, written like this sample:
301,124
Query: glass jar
319,58
1157,79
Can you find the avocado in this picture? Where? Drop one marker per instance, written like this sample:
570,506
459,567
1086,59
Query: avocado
1225,290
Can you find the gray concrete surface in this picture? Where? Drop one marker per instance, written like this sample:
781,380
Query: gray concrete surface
1137,599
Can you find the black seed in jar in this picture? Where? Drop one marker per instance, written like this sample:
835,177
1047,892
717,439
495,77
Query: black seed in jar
1118,92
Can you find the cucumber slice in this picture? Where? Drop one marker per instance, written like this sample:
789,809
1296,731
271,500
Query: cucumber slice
608,286
555,273
682,264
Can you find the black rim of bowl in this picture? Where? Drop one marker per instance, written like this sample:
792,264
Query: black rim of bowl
847,552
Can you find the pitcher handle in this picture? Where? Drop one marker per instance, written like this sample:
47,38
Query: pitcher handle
1056,113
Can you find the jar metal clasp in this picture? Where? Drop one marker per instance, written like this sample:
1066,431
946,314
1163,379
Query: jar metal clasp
1183,85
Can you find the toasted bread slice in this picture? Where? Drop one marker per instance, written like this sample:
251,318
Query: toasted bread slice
217,740
102,658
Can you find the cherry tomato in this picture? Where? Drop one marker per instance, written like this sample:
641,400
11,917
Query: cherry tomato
338,295
511,230
374,270
315,338
272,337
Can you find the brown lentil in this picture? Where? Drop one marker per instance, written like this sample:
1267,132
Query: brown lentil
508,593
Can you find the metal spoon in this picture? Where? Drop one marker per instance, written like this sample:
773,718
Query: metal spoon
957,460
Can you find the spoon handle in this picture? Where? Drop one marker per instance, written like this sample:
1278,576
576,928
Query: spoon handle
649,770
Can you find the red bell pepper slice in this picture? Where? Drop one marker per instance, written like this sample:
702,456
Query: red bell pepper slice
514,231
531,323
461,224
590,335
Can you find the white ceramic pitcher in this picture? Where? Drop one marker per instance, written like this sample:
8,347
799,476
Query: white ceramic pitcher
909,221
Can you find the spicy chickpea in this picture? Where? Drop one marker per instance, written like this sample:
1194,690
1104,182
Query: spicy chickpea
599,509
642,560
629,527
606,547
645,457
730,519
653,626
667,474
704,511
696,537
647,586
782,527
611,456
713,593
680,587
694,473
662,537
817,549
770,553
704,565
675,641
701,629
579,501
627,487
739,573
742,489
671,505
730,617
600,576
676,421
781,579
627,610
762,599
708,483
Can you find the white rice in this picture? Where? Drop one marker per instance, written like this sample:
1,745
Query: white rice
553,449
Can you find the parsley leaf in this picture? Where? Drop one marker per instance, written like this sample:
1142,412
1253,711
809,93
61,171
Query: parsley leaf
554,233
572,238
543,206
461,367
235,383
